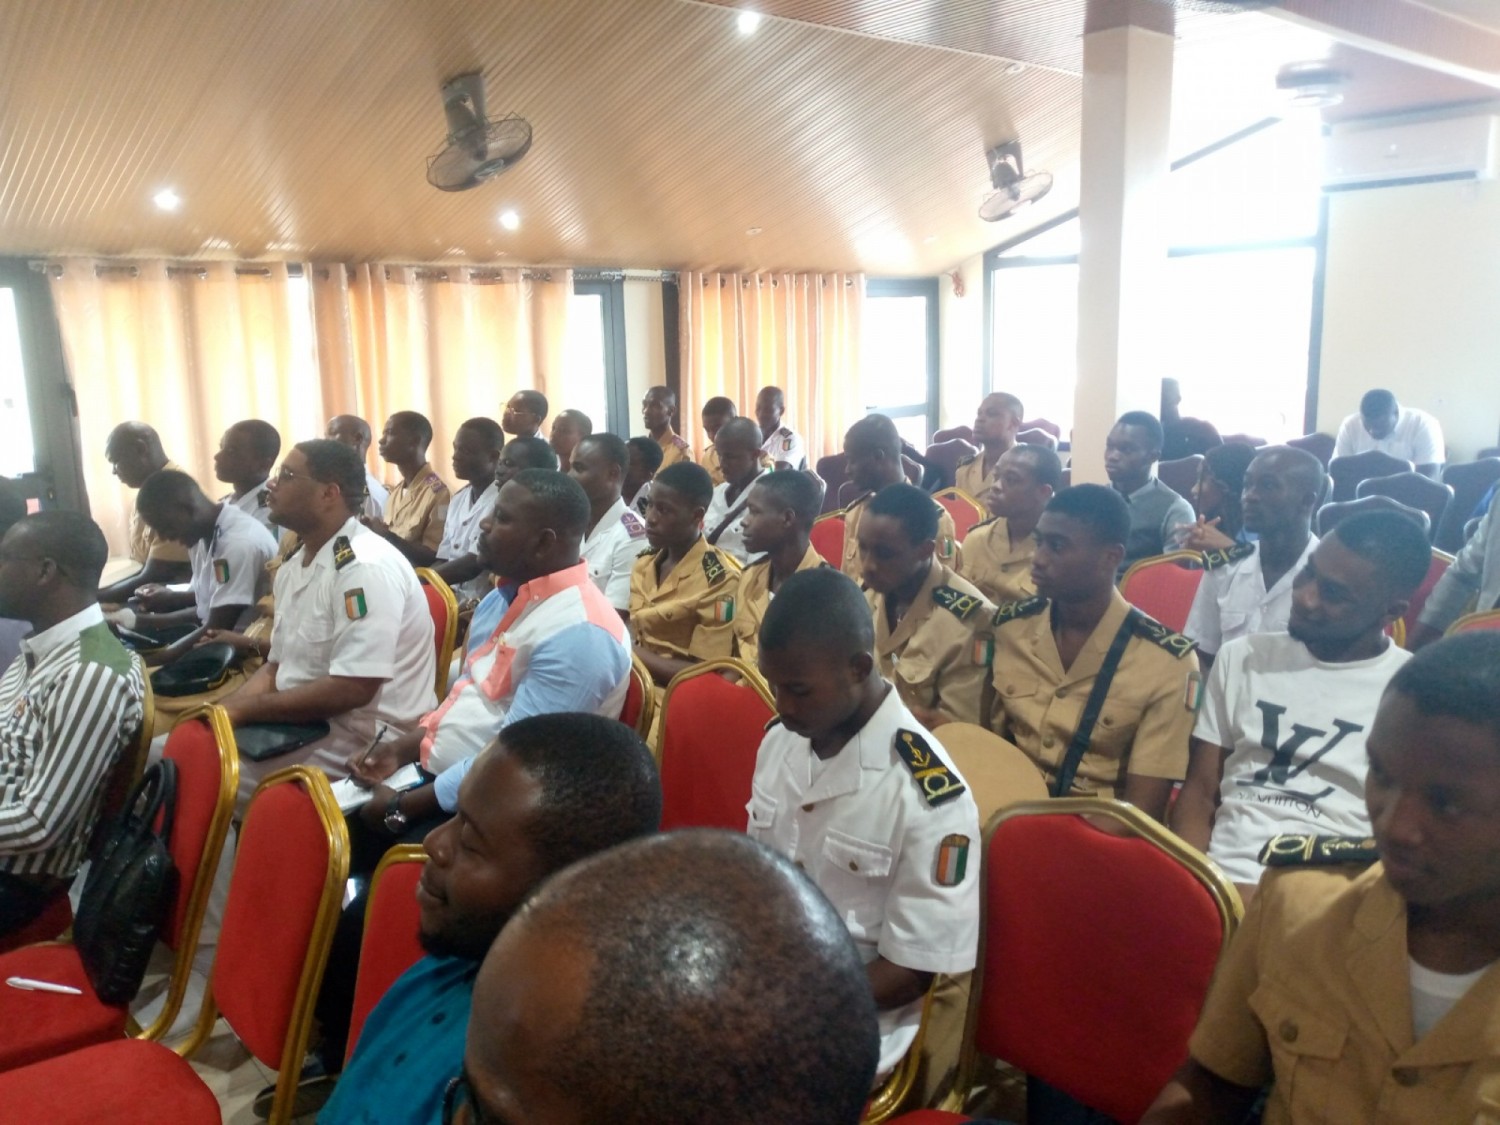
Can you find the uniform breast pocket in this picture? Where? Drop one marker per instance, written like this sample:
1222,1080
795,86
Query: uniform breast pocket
1115,728
314,638
762,811
855,875
1306,1048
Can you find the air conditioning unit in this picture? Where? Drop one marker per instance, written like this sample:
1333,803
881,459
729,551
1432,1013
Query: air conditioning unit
1382,154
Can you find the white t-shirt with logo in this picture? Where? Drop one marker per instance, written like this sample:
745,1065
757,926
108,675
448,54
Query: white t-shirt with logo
1295,730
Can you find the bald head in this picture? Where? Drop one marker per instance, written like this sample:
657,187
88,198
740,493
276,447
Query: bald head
700,946
346,429
134,452
872,453
1281,490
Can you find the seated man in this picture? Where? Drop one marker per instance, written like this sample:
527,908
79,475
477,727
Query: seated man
72,703
853,789
682,591
678,980
549,791
1216,496
924,641
525,453
645,459
779,515
615,535
1247,588
1472,581
354,432
352,639
872,452
1373,998
657,409
418,506
1279,745
716,411
782,444
1385,425
1156,512
524,413
997,553
134,453
568,429
1079,649
996,424
247,453
738,446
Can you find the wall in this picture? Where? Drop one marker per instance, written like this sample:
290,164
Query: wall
645,345
1412,303
961,328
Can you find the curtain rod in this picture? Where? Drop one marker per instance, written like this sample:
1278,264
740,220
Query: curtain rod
475,274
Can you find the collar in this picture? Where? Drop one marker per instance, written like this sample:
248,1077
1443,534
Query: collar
417,477
608,520
869,749
480,494
1149,486
548,584
1091,656
39,646
811,560
915,613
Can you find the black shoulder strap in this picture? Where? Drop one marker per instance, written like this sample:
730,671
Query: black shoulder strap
729,517
1080,744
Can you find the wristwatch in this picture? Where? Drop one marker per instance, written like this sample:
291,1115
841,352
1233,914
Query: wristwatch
395,819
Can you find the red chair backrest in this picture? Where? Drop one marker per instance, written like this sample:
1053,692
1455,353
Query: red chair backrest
438,608
964,432
391,945
964,514
1061,894
1042,424
200,784
635,699
827,538
710,732
1435,570
1163,589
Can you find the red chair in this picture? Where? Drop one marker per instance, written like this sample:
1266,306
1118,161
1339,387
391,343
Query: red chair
834,472
966,433
827,537
639,709
1472,622
443,605
1053,882
1441,561
710,732
1412,489
1319,445
202,746
392,921
1164,586
283,904
1037,437
963,508
945,456
1347,472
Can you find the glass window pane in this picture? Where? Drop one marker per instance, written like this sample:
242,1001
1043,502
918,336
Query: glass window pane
1264,188
583,359
913,428
893,366
18,451
1034,319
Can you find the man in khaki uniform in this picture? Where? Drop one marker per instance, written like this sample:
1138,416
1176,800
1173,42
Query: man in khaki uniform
1374,999
657,409
779,515
997,552
134,452
1049,650
924,612
995,428
417,507
683,593
872,455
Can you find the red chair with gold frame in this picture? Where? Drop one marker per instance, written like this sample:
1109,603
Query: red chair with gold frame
710,732
827,537
1473,622
964,509
442,603
1441,561
639,709
392,922
1164,586
290,870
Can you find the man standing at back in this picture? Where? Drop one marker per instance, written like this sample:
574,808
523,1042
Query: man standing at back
418,506
995,428
354,432
1156,512
247,453
872,455
782,444
134,452
1385,425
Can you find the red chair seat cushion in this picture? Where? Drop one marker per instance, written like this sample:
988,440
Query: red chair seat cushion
39,1025
55,917
130,1081
930,1117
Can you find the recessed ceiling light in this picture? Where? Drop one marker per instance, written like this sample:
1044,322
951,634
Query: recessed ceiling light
752,231
167,200
510,220
748,22
1016,68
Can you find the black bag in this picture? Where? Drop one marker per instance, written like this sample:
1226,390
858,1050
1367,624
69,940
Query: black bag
196,671
260,742
130,886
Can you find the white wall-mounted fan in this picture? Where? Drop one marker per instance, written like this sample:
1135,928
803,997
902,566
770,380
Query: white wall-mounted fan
1014,189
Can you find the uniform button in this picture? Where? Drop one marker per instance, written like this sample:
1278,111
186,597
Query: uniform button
1406,1076
1287,1031
799,866
853,866
1048,742
1062,693
1010,687
807,808
1107,721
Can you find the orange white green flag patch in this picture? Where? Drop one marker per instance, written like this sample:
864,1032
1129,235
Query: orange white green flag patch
952,860
354,604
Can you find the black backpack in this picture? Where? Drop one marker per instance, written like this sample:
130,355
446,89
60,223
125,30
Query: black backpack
130,886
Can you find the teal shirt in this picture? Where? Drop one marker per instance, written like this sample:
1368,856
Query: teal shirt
411,1045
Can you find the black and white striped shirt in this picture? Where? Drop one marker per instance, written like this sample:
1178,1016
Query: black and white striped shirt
68,704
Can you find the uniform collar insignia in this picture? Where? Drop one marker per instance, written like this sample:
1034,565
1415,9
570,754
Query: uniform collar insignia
343,552
931,773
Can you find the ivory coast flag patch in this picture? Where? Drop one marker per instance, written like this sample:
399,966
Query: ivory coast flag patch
354,603
952,860
724,609
221,571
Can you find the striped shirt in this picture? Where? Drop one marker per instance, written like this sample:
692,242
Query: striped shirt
68,704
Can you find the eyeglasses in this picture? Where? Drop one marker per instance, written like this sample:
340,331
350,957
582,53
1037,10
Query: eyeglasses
284,474
460,1104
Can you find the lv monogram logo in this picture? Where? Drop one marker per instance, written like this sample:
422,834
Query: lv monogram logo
1283,768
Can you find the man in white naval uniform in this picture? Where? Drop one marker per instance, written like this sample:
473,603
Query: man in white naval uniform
852,789
247,453
616,535
355,433
738,446
782,444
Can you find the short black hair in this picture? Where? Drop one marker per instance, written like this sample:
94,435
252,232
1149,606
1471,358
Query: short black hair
564,506
1147,421
612,448
489,430
534,401
1376,403
333,462
71,540
1229,462
818,607
707,946
1043,462
690,480
665,393
719,405
877,434
1395,543
584,423
413,423
908,505
740,429
1011,403
597,780
12,505
1457,677
164,487
795,490
534,451
650,453
265,441
1102,510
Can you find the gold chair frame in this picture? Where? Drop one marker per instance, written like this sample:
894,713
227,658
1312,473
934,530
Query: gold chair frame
642,677
1173,557
981,513
893,1093
429,577
1472,622
725,664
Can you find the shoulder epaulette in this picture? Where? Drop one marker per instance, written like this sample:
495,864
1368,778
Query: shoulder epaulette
1026,607
785,431
1223,556
969,460
647,553
849,507
679,441
713,567
635,527
963,606
775,721
1291,850
1149,628
931,772
343,552
984,523
435,481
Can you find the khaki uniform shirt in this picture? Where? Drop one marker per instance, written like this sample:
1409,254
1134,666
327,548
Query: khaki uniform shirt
1002,572
691,611
1147,716
930,656
1315,992
418,511
145,544
673,449
754,596
971,477
947,538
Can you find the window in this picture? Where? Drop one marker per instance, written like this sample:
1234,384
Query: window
898,365
594,355
18,452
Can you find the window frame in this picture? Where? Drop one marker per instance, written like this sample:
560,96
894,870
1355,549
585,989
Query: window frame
610,287
925,287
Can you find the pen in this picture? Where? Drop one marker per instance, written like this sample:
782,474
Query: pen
379,734
29,985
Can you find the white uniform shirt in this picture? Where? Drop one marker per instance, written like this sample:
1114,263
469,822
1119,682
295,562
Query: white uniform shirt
1417,438
610,550
256,503
467,509
903,874
375,496
1232,601
229,567
1268,691
786,444
356,609
732,539
641,499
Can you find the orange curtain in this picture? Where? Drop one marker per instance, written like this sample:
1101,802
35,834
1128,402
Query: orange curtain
799,332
